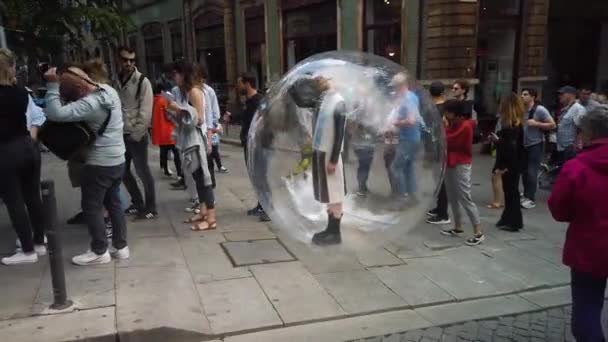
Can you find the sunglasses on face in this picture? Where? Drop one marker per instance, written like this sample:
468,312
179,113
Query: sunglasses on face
455,88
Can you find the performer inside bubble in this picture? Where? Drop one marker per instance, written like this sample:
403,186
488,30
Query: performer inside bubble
326,106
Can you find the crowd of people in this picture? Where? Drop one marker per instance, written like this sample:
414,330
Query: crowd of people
181,115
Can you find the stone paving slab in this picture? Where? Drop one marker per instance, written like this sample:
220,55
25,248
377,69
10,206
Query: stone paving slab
412,286
237,305
246,253
466,311
208,262
65,327
339,330
378,257
295,293
151,297
359,291
87,287
549,298
154,252
250,234
20,286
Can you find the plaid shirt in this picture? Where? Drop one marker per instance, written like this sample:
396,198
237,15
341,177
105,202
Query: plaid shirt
569,119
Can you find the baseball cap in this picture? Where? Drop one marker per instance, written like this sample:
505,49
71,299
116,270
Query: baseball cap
567,90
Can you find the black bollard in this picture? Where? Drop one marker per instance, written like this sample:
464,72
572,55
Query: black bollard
49,204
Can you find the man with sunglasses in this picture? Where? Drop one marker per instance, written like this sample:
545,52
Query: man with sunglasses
136,95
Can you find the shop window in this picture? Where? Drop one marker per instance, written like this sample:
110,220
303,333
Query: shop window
308,30
383,28
153,48
177,48
255,39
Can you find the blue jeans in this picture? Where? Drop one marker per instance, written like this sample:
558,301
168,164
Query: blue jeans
587,304
403,167
534,156
365,157
101,188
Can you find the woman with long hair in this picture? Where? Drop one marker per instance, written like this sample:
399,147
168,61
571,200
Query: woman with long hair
509,159
20,171
193,139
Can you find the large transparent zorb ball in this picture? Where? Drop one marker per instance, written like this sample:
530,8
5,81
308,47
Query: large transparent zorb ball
346,150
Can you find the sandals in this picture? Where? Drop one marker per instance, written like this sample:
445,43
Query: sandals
204,225
495,206
196,218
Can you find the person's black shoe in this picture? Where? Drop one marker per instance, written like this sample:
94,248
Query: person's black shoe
264,217
438,220
132,210
500,224
331,235
179,185
147,215
511,228
257,211
77,219
432,212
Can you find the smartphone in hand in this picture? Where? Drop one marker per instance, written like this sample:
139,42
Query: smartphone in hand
168,96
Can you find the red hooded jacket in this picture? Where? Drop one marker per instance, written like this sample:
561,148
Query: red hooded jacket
459,138
579,197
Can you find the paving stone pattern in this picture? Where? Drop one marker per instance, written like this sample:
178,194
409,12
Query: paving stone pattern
549,325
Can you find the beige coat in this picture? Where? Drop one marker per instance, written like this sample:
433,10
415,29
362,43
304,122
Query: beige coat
137,112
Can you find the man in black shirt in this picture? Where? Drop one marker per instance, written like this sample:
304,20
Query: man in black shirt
246,85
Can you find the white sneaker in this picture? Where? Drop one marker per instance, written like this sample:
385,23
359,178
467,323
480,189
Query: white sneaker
90,258
40,250
18,242
122,253
20,258
528,204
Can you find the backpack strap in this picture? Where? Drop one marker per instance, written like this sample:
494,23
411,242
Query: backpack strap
139,82
532,111
105,124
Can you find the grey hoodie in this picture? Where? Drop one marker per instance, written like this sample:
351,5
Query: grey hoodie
108,149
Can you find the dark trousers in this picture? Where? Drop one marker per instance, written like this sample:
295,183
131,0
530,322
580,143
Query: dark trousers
511,215
164,154
587,304
389,157
137,151
534,156
211,170
245,153
205,192
442,203
101,189
20,188
215,156
365,157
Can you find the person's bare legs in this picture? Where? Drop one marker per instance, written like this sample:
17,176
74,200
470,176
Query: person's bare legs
498,199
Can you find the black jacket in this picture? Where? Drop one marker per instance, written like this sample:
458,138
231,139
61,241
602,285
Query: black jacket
510,149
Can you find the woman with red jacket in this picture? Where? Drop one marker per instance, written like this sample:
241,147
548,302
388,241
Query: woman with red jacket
459,136
162,130
579,197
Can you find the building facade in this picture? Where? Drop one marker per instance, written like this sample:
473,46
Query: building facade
497,45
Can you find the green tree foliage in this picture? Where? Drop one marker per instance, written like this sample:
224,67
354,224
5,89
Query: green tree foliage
46,26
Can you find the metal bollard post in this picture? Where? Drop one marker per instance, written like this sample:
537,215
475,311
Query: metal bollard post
49,205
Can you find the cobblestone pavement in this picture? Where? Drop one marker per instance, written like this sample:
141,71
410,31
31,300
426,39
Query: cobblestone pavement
551,325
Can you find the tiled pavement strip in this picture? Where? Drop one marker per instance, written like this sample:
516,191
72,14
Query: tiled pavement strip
241,283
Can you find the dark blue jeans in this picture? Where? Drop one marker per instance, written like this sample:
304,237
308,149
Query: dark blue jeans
365,157
587,304
101,189
534,156
137,151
